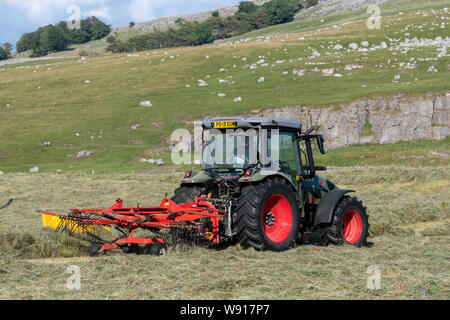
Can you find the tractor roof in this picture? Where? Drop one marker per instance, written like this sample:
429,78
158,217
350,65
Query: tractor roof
253,122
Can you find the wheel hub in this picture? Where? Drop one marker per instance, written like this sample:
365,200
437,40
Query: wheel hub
269,219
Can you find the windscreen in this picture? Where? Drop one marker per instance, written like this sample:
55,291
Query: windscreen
229,149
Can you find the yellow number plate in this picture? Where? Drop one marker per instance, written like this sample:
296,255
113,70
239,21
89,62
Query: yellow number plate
225,124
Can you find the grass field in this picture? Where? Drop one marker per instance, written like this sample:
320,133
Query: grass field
409,216
50,101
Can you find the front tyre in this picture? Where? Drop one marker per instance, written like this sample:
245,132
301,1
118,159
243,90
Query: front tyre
350,224
268,216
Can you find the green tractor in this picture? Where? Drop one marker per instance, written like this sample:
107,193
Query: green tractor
261,172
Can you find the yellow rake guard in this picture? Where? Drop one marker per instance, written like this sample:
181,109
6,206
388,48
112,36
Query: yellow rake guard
54,222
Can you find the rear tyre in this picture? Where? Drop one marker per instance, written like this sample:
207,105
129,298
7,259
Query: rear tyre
350,224
267,216
185,194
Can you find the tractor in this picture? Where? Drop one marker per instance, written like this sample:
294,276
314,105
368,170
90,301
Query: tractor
257,187
270,200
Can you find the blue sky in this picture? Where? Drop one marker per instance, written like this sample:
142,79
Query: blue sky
20,16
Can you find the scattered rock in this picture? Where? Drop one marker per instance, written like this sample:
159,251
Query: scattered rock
1,173
432,69
238,99
353,46
202,83
328,72
159,162
87,81
222,95
84,153
151,161
298,72
261,80
397,77
146,104
47,143
34,170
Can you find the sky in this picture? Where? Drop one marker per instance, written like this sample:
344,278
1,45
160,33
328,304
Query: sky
21,16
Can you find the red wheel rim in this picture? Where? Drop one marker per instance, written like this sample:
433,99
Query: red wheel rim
277,218
351,226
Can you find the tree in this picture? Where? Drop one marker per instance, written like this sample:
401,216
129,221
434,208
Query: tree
51,39
5,51
58,37
8,47
201,34
282,11
247,7
99,29
27,42
132,24
215,14
217,26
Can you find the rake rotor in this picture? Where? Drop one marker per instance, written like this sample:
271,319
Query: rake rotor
77,222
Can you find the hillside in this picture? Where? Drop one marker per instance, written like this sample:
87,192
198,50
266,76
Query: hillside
89,109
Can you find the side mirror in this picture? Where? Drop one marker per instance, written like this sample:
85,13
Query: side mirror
308,132
320,141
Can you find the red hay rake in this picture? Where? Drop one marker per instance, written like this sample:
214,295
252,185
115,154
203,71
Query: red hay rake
188,221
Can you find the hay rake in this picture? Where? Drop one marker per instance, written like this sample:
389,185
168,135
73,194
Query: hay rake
193,222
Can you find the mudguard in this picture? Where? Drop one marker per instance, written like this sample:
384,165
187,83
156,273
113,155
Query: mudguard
327,205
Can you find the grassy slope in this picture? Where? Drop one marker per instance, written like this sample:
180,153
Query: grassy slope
103,111
409,216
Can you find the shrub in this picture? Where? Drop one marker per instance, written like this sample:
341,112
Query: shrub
111,39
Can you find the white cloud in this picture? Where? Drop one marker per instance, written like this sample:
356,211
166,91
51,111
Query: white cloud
49,11
142,10
103,12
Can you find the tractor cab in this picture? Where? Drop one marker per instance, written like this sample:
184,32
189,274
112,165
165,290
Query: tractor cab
253,147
